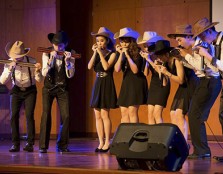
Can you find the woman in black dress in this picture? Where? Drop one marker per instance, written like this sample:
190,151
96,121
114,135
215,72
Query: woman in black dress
104,95
182,99
158,92
175,72
134,87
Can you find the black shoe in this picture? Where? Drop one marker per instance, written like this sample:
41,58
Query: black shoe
42,150
197,156
63,150
218,158
28,147
104,150
97,149
14,148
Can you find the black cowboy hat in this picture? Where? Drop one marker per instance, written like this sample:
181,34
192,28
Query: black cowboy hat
59,37
162,46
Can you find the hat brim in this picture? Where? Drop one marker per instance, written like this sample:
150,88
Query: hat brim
105,34
153,39
159,52
56,42
174,35
212,24
132,34
13,55
101,34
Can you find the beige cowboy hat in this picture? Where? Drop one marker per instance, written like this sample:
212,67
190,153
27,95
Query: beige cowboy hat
202,25
184,30
16,49
148,37
103,31
126,32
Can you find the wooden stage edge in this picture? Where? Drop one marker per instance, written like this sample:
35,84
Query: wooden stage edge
59,170
83,160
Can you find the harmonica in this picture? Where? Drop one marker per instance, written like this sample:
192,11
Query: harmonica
48,50
26,64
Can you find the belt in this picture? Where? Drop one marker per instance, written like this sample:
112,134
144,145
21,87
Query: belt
24,88
101,74
209,77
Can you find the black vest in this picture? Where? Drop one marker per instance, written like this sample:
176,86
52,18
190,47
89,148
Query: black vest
55,77
218,46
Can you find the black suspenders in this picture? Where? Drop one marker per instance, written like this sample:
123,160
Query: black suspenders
218,50
218,46
30,77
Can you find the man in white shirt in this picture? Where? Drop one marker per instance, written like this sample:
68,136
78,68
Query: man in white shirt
24,72
206,31
57,69
204,96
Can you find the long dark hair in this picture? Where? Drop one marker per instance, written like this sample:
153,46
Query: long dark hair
133,47
110,45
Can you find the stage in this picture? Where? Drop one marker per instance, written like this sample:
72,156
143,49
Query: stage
83,160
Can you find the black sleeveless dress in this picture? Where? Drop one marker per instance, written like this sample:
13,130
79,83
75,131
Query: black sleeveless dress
185,91
104,92
158,94
134,88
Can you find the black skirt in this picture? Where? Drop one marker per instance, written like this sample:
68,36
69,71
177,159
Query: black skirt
104,93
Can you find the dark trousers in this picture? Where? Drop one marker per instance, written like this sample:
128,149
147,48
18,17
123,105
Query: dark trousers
221,111
62,98
17,98
203,99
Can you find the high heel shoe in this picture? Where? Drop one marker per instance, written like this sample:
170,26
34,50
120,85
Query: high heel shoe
104,150
97,149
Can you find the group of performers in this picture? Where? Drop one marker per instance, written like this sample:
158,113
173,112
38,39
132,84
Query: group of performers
57,67
195,65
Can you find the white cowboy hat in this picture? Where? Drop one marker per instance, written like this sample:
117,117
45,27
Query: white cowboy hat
126,32
16,50
103,31
149,37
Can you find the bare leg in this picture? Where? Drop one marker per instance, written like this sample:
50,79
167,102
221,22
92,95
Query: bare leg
133,114
151,119
173,117
178,119
182,123
99,127
158,110
107,127
125,115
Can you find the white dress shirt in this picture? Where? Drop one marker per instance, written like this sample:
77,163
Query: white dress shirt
22,76
69,69
202,66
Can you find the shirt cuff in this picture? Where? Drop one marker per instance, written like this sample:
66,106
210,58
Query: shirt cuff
70,66
8,71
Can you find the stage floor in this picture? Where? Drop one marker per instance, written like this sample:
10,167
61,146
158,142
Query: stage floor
83,160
